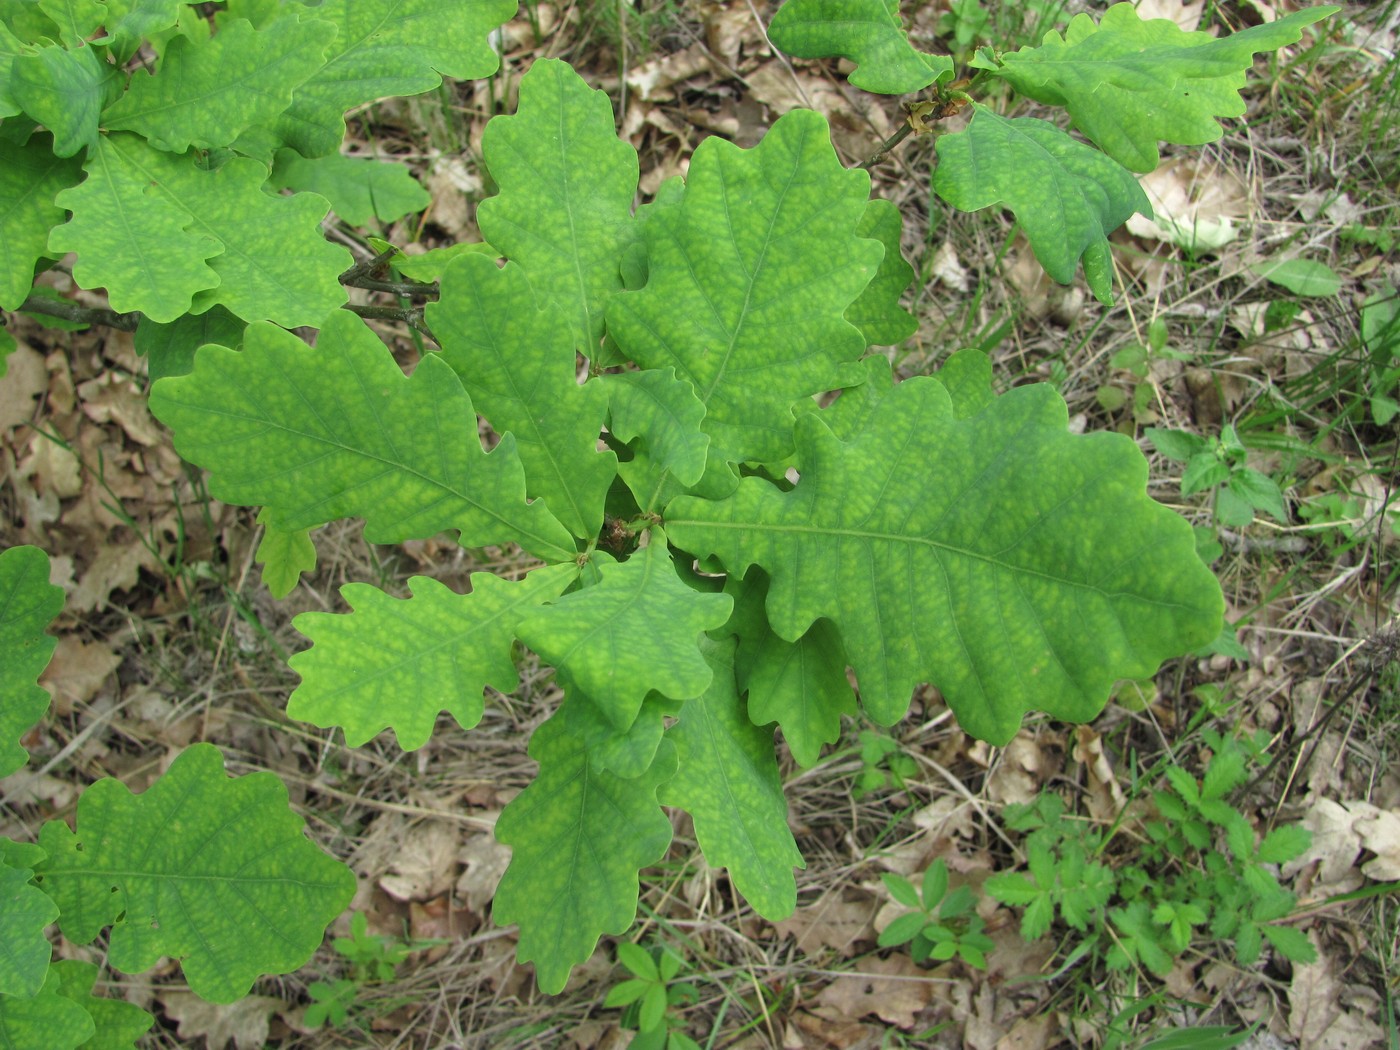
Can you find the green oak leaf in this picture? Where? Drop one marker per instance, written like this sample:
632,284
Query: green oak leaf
385,48
634,631
578,836
967,376
119,1024
396,662
47,1021
1129,84
169,348
1067,196
432,264
727,780
564,208
278,425
1013,565
660,416
876,312
76,19
211,870
27,21
10,46
148,226
24,950
284,555
207,92
64,91
28,604
7,347
801,685
128,21
748,277
515,354
869,33
360,189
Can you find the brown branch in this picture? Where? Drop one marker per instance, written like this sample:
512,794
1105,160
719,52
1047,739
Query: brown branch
69,311
413,316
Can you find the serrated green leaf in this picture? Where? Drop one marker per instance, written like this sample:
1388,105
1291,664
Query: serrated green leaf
169,348
76,19
1259,492
937,545
1013,888
28,604
1225,773
578,835
211,870
339,431
48,1021
385,48
876,311
1068,197
284,555
1283,844
24,949
728,782
119,1024
1291,943
1178,445
748,278
207,93
800,685
1129,83
147,226
663,416
64,91
564,208
396,663
869,33
360,189
514,353
635,631
30,179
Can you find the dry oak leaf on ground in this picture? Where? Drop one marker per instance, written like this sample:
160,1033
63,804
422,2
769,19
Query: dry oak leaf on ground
244,1023
893,989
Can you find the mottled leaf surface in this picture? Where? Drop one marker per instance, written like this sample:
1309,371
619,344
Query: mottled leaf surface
1129,84
564,208
148,226
30,177
48,1021
397,662
636,630
64,91
339,431
572,875
727,780
748,278
360,189
869,33
169,347
24,950
1011,564
76,19
28,604
800,685
385,48
119,1024
514,352
660,417
876,312
207,92
284,555
1068,197
211,870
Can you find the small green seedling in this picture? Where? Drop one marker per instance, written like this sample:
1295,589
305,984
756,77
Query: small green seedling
650,998
1219,464
1137,360
942,924
883,764
373,958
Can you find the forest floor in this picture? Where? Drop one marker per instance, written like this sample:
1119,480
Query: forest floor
169,637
